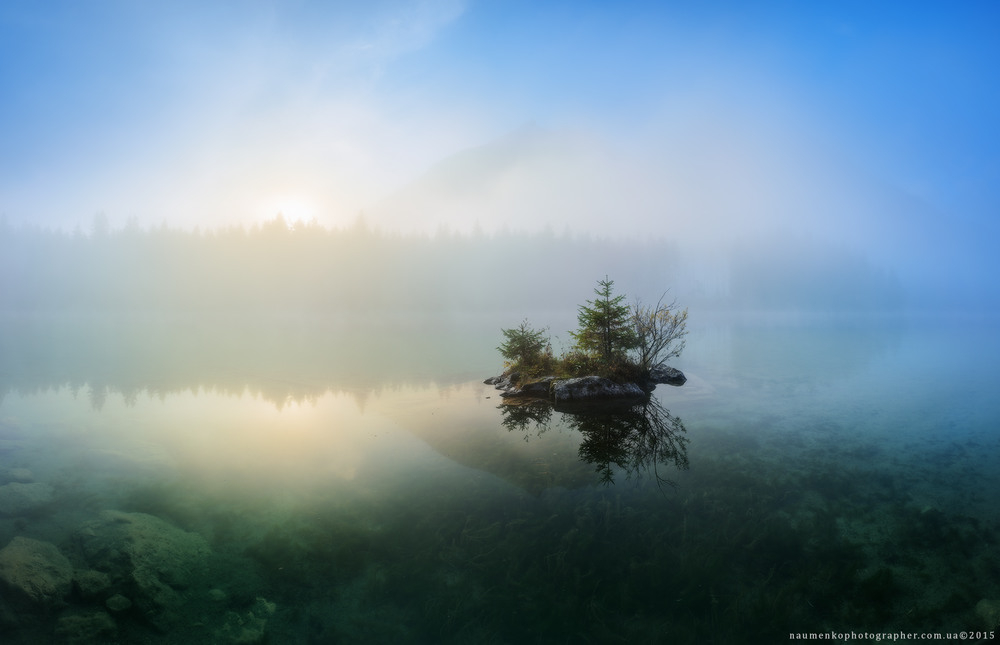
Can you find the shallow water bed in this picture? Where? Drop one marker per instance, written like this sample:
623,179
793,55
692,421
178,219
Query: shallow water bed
832,479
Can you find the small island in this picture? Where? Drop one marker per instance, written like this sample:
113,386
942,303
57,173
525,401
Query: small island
619,353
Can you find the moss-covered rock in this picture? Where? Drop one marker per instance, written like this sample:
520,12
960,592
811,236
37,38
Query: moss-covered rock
35,574
246,627
92,626
150,560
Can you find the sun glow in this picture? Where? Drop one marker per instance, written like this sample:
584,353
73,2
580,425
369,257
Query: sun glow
293,207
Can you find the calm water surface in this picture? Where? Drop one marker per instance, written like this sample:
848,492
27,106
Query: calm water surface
314,482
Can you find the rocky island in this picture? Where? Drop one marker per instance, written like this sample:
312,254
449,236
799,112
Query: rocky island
619,354
584,388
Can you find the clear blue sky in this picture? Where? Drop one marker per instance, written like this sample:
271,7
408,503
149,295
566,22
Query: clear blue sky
218,112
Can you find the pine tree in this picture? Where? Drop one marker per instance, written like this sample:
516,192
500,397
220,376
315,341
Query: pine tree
605,326
526,348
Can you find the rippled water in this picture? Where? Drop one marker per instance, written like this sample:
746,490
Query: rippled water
315,482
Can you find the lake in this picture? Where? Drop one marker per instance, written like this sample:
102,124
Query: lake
311,480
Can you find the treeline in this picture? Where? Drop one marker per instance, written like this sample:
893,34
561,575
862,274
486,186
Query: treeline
303,266
281,266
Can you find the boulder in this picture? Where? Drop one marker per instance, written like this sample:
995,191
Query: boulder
154,560
91,584
504,381
537,389
667,375
17,498
35,573
581,389
593,388
118,603
246,627
585,388
93,626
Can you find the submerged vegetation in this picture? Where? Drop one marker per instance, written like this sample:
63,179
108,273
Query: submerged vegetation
746,550
614,340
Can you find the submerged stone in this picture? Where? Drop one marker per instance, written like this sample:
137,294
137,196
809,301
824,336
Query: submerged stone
17,498
35,572
91,583
20,475
247,627
156,559
93,626
118,603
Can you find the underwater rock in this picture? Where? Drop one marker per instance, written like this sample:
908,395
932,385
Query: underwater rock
154,559
93,626
989,611
17,498
118,603
35,572
20,475
247,627
10,445
593,388
90,583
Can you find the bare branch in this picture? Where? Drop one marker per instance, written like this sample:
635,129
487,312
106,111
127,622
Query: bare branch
660,330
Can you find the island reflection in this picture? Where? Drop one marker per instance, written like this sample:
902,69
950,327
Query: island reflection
636,439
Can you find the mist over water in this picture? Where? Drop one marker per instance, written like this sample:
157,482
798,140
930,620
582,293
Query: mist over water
358,476
255,263
284,427
283,268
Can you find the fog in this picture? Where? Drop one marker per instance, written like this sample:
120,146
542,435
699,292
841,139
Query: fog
289,268
257,258
819,158
726,209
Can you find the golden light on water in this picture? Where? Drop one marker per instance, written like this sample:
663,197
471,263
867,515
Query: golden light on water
231,442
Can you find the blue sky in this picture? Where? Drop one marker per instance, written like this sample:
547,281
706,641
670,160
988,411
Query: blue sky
739,115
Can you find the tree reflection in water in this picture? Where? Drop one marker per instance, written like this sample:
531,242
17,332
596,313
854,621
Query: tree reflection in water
634,438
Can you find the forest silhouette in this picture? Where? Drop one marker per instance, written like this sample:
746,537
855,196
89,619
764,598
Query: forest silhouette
304,267
279,266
